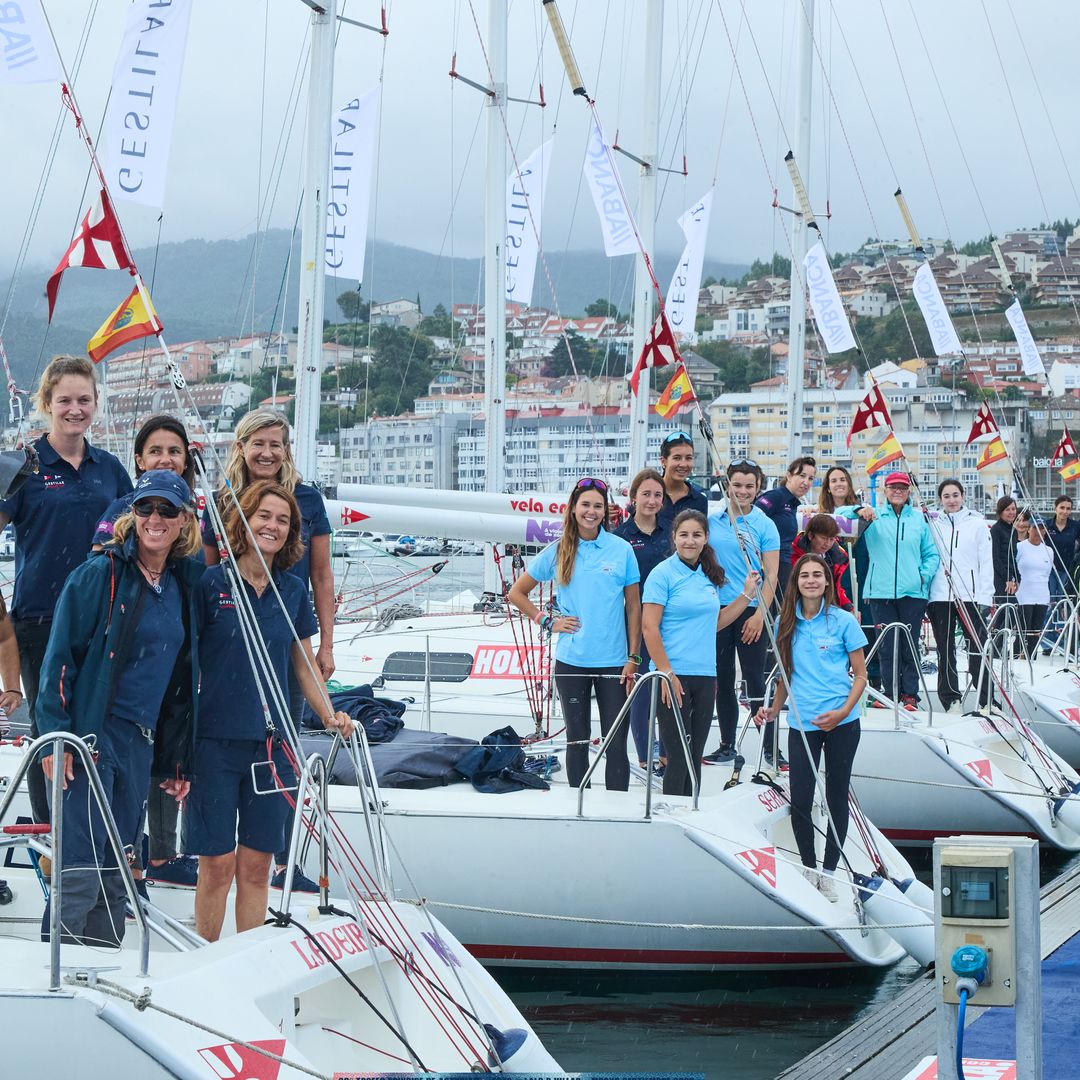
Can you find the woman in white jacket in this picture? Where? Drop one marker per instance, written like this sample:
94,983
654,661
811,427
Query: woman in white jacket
965,579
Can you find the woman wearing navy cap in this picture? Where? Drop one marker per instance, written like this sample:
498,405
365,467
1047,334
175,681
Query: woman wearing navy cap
54,514
121,671
820,649
233,829
596,586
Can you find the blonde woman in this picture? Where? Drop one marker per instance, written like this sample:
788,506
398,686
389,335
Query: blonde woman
596,586
122,670
54,515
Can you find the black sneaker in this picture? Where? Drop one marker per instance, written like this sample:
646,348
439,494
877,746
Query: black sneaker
782,767
140,888
300,882
721,756
179,870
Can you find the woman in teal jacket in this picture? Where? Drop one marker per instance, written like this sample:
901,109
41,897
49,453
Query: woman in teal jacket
903,562
121,671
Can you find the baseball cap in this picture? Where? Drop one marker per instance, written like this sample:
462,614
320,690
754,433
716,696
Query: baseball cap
162,484
898,478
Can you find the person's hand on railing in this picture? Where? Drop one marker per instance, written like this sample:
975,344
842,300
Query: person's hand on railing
629,675
178,789
341,722
676,688
69,769
763,716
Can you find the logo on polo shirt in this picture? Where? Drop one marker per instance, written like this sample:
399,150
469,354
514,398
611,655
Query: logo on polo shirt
225,602
52,480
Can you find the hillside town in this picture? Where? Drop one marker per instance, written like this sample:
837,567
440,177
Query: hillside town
568,399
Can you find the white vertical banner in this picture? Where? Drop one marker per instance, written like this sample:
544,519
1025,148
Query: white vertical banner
352,166
832,321
27,53
524,207
616,221
939,325
1029,353
681,301
142,107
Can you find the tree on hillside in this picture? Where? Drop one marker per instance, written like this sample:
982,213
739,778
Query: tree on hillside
604,309
890,338
739,366
437,324
778,266
588,359
353,307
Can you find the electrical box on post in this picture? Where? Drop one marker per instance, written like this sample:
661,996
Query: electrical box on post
977,904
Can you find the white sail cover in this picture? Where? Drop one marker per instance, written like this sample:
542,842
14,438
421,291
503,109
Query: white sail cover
524,208
616,221
832,322
1029,353
142,107
939,324
681,302
352,165
27,53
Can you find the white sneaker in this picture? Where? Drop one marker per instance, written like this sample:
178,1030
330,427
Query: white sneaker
956,709
827,886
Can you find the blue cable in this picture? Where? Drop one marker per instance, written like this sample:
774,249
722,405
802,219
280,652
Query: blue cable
960,1035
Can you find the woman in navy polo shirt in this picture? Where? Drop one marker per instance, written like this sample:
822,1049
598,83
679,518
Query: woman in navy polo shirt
122,671
232,828
652,544
820,649
681,616
677,466
54,514
596,586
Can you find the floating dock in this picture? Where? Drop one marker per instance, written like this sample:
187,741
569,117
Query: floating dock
890,1042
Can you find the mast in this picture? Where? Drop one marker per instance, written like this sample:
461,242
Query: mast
312,274
804,73
646,219
495,255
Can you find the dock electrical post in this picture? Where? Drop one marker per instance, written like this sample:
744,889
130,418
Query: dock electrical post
987,929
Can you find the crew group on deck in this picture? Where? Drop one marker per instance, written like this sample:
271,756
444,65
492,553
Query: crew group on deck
122,634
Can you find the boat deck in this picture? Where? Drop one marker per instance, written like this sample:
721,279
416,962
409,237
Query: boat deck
890,1042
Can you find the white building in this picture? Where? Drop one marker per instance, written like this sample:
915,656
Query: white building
1064,375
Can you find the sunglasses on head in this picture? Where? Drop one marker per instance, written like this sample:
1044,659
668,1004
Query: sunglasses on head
743,461
163,510
587,482
677,436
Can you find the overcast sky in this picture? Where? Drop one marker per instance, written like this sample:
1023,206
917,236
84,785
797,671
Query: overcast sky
433,136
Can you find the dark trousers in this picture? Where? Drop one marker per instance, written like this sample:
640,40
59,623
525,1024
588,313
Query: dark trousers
752,660
839,746
1034,615
92,893
908,610
944,618
162,812
32,636
699,692
576,686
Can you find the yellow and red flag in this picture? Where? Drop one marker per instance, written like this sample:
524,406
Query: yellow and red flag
132,320
993,451
889,451
678,393
1070,471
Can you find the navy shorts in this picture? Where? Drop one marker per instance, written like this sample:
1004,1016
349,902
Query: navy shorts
224,809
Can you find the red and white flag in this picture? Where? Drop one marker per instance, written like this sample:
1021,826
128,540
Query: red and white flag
98,244
659,350
1066,449
984,424
871,413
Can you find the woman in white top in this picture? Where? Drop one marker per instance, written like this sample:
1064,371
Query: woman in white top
1035,562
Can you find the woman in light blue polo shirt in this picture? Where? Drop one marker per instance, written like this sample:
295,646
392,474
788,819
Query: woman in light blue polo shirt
599,615
681,615
820,648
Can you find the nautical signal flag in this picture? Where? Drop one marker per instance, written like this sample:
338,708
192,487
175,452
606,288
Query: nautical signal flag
984,424
132,320
890,450
98,244
659,350
677,394
993,451
1070,471
1065,447
871,413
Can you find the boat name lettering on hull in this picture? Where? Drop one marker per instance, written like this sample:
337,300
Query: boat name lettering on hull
342,941
771,800
536,506
505,661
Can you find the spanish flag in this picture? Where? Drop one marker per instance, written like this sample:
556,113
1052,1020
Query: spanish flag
129,322
890,450
1070,471
677,394
993,451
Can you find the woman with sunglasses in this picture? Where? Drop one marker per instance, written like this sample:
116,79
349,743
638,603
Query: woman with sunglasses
651,544
596,588
820,649
54,514
677,466
231,827
121,671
